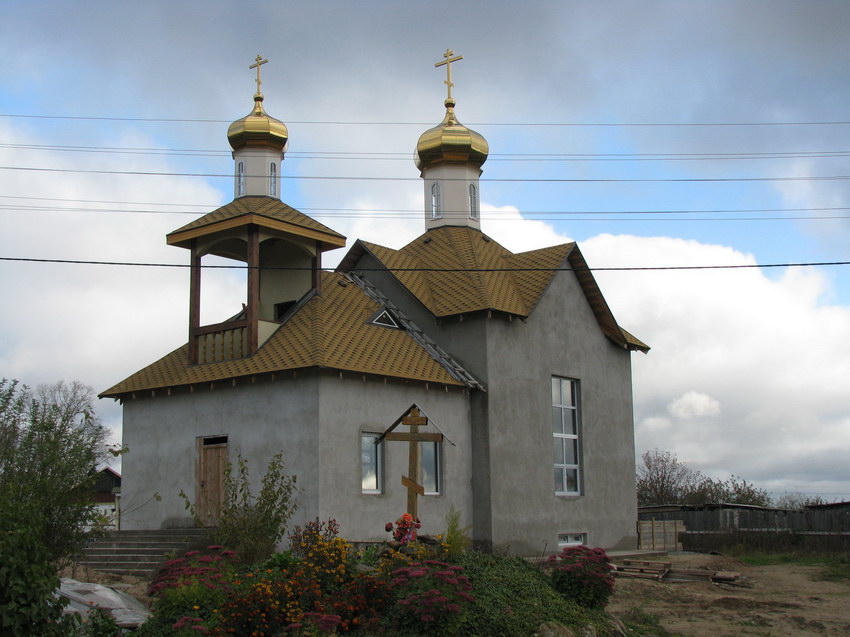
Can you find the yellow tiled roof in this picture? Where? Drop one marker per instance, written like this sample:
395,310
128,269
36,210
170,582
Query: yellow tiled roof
451,271
455,271
331,330
269,208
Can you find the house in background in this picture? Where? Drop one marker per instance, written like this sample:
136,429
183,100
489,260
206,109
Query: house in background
107,494
515,360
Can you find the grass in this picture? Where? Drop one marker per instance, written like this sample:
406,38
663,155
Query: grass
836,566
639,622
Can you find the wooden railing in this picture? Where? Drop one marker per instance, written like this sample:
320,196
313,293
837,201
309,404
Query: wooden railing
222,342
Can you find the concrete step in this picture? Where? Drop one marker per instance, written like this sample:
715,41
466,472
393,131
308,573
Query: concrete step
139,553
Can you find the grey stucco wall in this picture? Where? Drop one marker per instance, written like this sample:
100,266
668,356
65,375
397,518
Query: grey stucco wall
259,419
316,420
561,338
514,504
352,405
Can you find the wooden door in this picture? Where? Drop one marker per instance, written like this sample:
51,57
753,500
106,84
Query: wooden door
209,483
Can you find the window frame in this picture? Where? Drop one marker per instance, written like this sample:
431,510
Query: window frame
379,464
437,468
436,201
474,212
572,539
273,179
240,178
573,408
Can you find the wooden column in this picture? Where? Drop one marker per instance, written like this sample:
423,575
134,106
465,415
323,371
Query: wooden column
253,306
317,268
194,301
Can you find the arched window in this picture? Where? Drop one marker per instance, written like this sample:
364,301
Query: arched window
273,179
436,202
473,202
240,179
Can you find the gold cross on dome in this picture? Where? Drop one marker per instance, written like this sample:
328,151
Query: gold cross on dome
448,64
259,63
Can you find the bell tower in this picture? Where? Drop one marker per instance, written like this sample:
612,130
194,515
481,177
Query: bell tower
280,246
450,157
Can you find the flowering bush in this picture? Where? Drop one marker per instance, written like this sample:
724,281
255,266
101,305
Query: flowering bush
314,624
360,603
261,603
430,598
405,528
193,584
322,553
582,574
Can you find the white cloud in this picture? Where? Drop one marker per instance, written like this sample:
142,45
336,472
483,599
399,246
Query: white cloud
693,404
768,349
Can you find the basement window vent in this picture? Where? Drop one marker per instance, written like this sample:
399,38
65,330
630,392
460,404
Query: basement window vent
572,539
215,440
386,319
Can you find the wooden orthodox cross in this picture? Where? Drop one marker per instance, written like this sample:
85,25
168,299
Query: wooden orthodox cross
413,419
259,62
448,64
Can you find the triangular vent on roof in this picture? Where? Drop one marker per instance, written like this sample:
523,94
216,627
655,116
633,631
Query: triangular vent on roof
386,319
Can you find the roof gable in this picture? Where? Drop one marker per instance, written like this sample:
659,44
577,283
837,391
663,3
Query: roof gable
458,270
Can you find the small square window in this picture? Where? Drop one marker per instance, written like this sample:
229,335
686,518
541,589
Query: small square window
572,539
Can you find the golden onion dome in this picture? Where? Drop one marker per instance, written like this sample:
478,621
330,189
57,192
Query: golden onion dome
450,142
258,129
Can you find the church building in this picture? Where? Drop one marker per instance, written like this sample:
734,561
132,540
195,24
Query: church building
449,373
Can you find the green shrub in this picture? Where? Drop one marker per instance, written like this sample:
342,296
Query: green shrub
99,623
282,561
27,583
50,443
456,538
253,525
513,597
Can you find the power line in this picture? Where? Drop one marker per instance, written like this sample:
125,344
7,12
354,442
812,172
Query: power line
385,214
741,266
400,212
491,179
498,157
431,123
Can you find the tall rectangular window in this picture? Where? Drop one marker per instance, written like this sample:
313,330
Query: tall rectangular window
371,464
436,201
473,202
240,179
565,432
429,459
273,179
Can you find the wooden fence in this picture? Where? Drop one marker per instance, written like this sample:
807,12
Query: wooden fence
761,529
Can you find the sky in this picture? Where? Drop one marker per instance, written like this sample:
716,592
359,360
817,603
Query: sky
656,134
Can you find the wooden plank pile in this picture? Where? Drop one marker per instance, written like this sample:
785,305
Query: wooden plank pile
664,571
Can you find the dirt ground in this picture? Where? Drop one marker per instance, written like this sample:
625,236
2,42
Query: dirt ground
772,601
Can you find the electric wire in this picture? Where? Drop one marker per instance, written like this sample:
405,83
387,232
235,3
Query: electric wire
401,123
737,266
490,179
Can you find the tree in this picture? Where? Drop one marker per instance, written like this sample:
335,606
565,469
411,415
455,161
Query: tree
662,479
50,444
798,501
